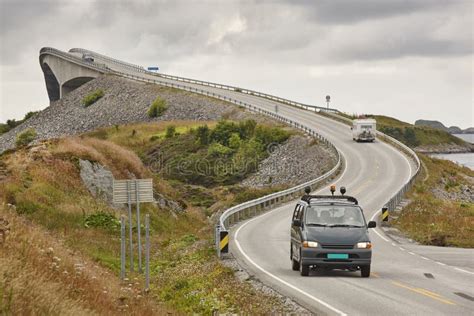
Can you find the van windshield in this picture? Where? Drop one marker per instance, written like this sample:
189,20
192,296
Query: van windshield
334,216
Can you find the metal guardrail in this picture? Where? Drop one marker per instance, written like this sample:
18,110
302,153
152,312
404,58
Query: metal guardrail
74,59
200,82
251,208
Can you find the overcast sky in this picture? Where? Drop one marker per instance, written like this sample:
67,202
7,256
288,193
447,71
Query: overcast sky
409,59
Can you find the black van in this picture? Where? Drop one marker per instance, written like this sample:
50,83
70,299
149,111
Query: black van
330,231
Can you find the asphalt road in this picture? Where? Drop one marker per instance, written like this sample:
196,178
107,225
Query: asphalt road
406,279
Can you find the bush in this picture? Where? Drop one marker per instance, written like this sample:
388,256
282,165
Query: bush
170,131
216,150
202,135
157,108
92,97
25,137
102,220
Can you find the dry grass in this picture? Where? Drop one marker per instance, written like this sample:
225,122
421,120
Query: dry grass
40,275
122,162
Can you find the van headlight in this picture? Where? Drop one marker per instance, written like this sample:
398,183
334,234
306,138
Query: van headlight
364,245
310,244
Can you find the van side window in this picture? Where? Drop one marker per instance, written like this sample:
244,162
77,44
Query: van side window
296,212
301,213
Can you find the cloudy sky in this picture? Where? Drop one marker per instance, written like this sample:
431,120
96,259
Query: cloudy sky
405,58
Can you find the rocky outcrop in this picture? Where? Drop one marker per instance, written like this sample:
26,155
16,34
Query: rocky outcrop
97,179
296,161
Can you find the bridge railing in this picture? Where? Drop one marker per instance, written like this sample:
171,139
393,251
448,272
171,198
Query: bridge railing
74,59
140,69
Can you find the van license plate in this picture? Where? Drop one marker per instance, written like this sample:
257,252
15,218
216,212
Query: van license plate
338,256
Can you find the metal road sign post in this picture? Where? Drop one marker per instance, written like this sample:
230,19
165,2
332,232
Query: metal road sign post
138,230
122,247
130,220
147,252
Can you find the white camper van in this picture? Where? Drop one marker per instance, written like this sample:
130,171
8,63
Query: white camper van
363,130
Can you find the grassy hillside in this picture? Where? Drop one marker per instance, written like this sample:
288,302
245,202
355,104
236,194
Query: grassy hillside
441,211
414,136
44,187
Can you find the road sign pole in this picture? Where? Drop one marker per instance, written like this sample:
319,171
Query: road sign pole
131,225
122,247
147,252
139,230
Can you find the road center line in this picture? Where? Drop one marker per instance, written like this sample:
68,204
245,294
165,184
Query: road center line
424,292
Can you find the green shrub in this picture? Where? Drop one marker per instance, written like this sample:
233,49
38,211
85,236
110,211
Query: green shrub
92,97
216,150
202,135
25,137
102,220
170,131
235,141
157,108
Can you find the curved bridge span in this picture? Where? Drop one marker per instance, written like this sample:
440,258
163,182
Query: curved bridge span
377,174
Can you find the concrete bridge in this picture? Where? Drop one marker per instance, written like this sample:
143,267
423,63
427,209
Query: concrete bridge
64,72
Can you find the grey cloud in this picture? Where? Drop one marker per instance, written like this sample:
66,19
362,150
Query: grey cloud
349,11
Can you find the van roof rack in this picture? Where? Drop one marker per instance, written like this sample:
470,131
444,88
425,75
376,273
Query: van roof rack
307,198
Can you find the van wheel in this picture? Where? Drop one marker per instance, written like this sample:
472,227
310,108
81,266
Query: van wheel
304,268
365,271
295,265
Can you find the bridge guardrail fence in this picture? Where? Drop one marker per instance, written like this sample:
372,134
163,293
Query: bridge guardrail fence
200,82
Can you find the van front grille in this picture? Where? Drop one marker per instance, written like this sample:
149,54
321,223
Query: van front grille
328,246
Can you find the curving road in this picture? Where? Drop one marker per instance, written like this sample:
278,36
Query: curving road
374,172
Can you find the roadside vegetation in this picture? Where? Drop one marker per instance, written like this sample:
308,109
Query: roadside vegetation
44,200
441,211
10,124
26,137
157,107
92,97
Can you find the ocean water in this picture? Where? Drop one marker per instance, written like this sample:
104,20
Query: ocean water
467,137
465,159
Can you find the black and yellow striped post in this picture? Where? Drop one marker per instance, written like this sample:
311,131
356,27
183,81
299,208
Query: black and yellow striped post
224,242
385,214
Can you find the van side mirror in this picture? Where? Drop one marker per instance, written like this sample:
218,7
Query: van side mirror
372,224
297,222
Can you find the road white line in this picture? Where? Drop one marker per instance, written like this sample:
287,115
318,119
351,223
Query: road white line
465,271
424,258
277,278
411,253
440,263
402,249
394,244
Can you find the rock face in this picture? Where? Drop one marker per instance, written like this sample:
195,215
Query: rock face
97,179
125,101
298,160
